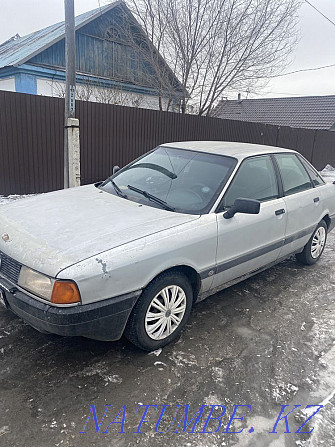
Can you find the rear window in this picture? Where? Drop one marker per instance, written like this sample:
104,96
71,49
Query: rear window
293,174
314,175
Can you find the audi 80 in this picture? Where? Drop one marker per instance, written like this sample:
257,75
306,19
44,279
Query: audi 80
132,254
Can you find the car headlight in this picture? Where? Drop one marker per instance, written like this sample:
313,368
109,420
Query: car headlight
56,291
36,283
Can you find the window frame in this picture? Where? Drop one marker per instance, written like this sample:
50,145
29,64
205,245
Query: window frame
296,155
220,208
305,163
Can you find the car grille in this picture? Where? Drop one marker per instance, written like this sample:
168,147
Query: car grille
9,268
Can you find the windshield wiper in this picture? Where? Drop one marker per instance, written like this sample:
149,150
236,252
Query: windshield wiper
158,168
117,189
151,197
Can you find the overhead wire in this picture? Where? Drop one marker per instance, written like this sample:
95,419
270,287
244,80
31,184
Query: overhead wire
320,12
302,70
313,68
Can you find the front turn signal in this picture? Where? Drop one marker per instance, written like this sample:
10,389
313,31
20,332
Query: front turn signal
65,292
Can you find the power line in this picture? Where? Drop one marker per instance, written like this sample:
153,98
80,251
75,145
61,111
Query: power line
290,94
278,93
323,15
302,70
285,93
260,93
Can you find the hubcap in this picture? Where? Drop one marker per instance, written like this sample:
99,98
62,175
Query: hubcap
318,242
165,312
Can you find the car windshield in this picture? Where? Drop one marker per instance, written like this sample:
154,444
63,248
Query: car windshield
178,180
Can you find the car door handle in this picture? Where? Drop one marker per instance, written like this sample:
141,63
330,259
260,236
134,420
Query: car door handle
279,212
316,199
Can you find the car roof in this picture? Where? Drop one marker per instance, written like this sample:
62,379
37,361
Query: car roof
232,149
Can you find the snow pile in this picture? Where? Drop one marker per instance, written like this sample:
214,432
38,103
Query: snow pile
328,173
4,200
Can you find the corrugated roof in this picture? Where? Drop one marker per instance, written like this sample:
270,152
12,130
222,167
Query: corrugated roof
309,112
18,50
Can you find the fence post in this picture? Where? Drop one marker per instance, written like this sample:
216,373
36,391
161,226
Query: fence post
72,130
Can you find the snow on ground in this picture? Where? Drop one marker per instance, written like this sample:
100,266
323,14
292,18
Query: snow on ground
328,173
4,200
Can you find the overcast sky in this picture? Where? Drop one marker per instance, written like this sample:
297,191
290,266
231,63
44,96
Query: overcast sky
316,47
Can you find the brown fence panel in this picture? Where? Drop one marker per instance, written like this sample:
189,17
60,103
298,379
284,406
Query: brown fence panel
324,149
301,140
305,143
31,143
31,139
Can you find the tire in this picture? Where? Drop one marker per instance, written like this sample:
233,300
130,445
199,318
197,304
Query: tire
315,246
160,294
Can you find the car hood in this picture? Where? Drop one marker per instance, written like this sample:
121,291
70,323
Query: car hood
52,231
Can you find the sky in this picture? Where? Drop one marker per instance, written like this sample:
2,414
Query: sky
316,46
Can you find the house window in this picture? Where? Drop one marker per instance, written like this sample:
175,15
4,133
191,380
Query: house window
112,33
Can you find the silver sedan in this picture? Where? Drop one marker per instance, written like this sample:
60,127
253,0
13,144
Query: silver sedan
133,253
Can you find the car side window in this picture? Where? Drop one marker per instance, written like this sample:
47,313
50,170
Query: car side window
293,174
314,175
255,179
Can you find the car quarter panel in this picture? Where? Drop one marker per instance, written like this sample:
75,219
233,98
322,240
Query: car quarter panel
305,210
132,266
328,202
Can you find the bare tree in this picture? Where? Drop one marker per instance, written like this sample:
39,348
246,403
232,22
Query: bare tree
151,68
218,46
93,90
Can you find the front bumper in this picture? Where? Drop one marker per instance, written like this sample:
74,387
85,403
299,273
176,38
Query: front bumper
102,320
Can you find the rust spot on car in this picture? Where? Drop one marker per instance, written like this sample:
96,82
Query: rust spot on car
103,266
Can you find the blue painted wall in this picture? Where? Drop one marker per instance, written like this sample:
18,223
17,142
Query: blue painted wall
103,56
99,54
25,83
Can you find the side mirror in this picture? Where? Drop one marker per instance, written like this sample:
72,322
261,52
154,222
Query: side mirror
116,169
246,206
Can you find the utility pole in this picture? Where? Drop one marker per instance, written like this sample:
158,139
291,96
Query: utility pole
70,95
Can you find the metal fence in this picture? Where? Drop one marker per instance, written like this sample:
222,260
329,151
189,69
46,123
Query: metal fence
31,139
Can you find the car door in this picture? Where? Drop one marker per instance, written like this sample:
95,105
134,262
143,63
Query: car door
303,201
246,243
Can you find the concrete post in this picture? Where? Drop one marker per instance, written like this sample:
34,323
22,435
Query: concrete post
72,129
70,91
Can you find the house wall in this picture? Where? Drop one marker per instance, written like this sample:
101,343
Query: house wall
45,87
8,84
48,87
25,83
98,54
104,56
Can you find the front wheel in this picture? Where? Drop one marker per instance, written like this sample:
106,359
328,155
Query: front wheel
315,246
161,312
